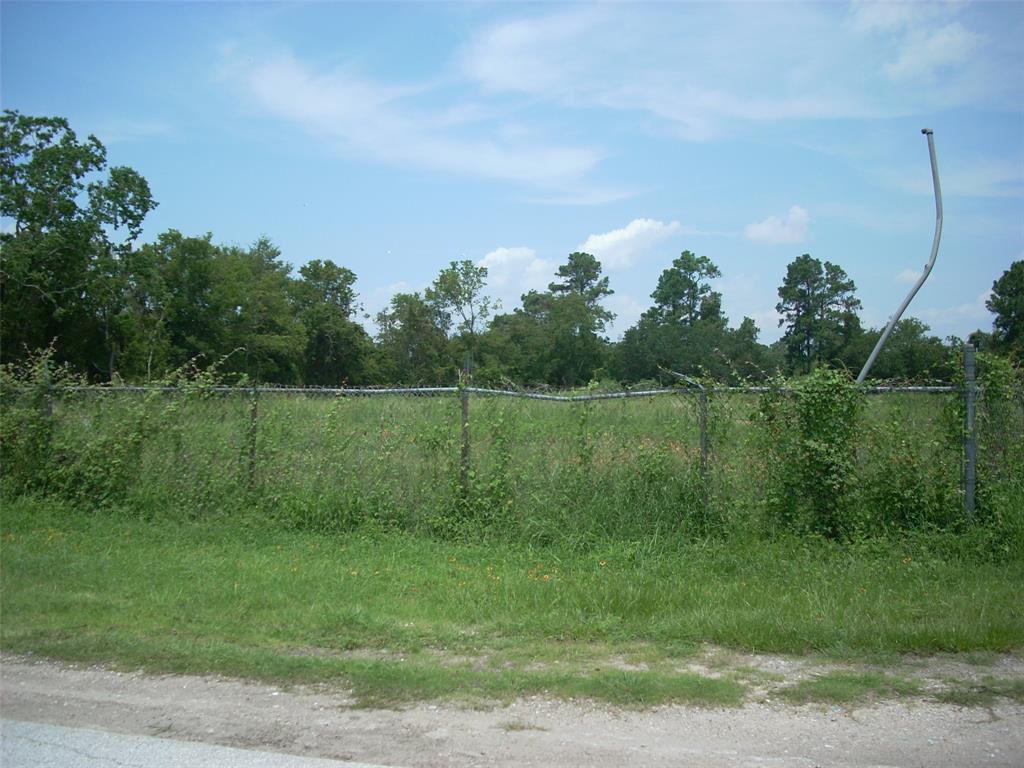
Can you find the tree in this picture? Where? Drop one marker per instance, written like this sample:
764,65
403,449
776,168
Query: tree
63,273
581,276
911,354
338,349
683,294
183,310
254,284
413,340
459,291
819,311
684,331
1007,302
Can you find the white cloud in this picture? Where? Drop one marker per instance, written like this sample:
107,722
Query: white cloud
511,272
519,266
361,117
908,277
925,52
620,247
777,231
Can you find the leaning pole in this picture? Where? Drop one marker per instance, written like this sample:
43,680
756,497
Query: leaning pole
928,268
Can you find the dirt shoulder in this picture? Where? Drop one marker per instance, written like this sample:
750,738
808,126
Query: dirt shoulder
535,731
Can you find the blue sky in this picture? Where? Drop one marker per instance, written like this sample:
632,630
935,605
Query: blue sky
394,138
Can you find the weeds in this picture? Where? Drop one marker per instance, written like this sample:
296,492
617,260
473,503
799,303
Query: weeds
849,688
818,460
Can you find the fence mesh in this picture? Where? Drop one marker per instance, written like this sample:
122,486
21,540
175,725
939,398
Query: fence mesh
535,465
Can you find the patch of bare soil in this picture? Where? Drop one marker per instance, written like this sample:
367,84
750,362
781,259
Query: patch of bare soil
535,731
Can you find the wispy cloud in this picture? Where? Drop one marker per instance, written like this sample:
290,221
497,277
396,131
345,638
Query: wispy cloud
805,63
963,176
362,117
609,58
883,15
926,52
619,248
779,231
972,310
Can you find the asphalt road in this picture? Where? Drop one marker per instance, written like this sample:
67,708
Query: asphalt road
33,745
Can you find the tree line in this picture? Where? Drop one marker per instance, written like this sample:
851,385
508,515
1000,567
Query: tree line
73,275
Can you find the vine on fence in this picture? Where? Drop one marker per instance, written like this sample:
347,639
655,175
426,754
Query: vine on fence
809,446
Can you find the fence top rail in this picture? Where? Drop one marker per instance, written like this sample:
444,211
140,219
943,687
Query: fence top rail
484,391
272,390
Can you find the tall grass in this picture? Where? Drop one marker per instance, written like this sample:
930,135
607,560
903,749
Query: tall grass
539,472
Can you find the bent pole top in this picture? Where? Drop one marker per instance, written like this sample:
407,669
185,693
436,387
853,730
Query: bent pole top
928,267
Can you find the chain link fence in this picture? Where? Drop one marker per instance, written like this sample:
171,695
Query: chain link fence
539,466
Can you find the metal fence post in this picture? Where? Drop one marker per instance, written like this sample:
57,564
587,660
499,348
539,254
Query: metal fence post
254,405
970,431
464,457
705,479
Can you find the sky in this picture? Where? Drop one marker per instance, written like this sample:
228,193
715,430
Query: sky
393,138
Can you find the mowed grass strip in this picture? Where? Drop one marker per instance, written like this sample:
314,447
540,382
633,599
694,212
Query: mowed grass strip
225,597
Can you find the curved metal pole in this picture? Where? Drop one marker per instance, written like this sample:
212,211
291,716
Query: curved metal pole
928,268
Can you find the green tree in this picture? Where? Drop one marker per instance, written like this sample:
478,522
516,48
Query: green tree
182,309
254,284
683,294
911,354
684,331
555,336
413,340
338,349
819,311
1007,302
457,295
63,269
581,276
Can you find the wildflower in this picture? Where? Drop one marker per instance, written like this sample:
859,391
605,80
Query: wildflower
602,563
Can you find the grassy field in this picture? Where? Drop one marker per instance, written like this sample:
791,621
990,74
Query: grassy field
398,617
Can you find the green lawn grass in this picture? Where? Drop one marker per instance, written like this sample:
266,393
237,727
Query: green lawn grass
398,617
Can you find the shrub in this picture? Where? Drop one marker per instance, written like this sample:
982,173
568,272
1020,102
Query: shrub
808,432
